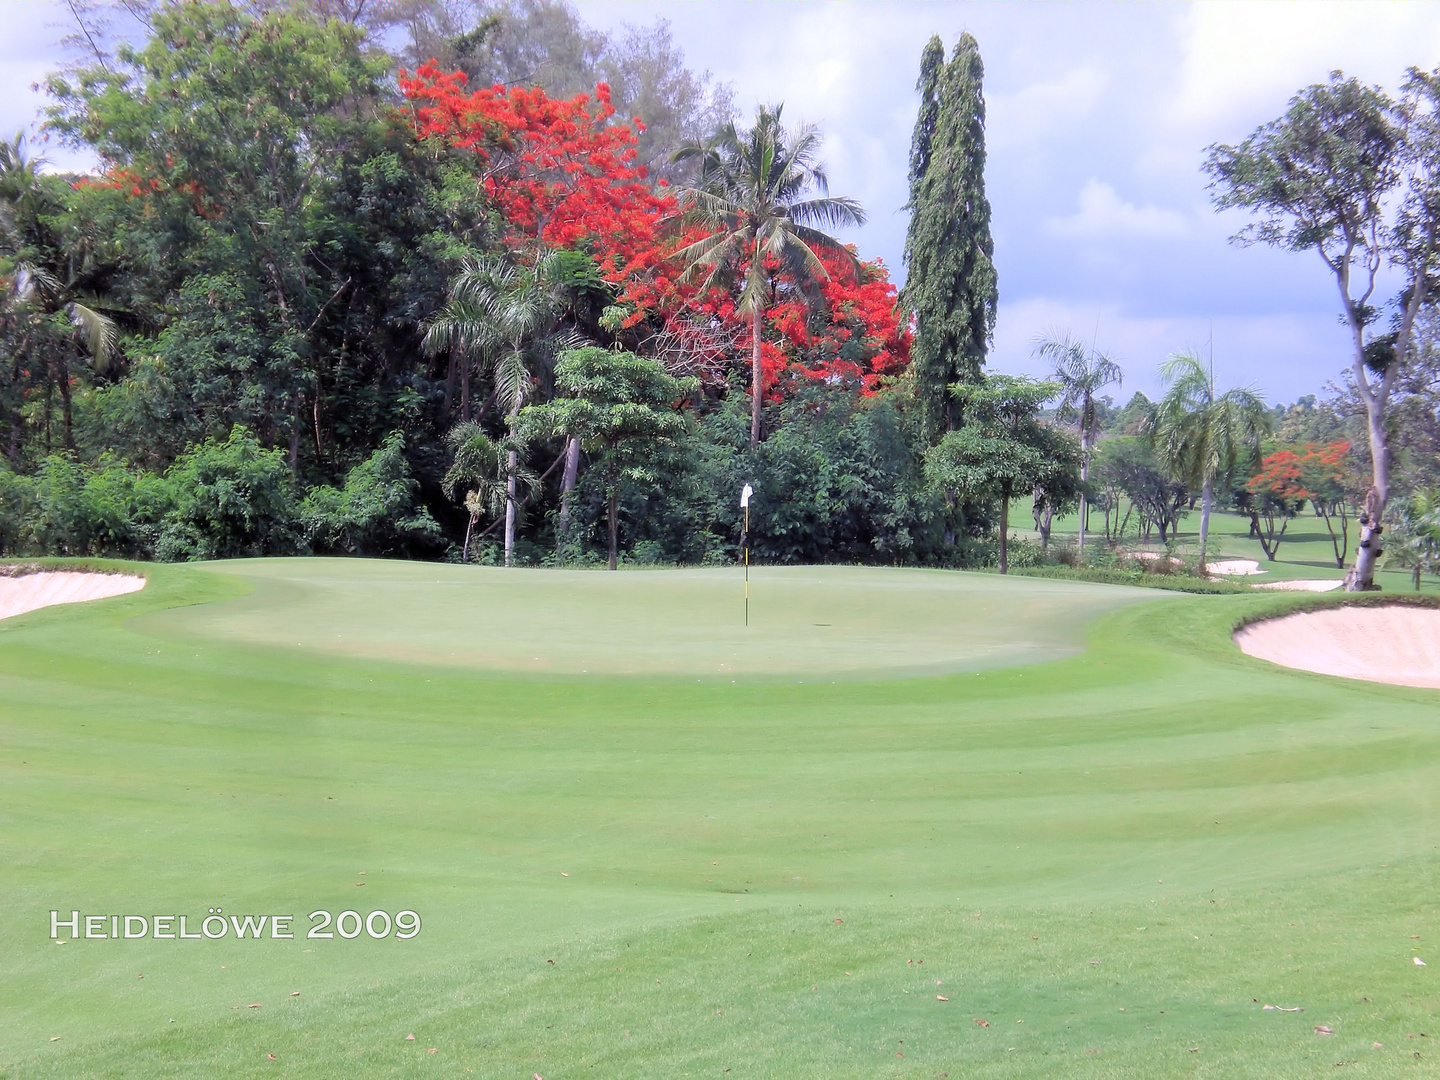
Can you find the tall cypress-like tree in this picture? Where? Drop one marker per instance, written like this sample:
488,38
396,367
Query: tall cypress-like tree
951,285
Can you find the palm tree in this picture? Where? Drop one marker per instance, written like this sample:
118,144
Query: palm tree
52,313
502,314
1082,373
477,469
750,198
1201,436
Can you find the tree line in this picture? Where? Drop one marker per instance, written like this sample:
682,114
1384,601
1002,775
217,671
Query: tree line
476,282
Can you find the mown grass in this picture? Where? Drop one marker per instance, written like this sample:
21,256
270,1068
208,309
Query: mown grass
1044,838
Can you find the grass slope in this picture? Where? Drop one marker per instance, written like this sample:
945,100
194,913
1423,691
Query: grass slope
1113,859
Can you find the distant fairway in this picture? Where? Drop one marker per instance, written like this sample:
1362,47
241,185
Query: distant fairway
1113,858
815,620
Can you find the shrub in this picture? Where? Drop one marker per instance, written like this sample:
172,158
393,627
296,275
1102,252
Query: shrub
375,512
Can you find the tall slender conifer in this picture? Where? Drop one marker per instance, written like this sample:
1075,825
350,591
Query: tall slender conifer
951,284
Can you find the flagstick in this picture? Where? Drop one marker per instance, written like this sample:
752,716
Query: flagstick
747,565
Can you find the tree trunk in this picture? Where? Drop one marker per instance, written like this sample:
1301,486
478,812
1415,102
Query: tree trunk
756,374
567,485
511,460
465,551
315,414
65,420
1207,496
295,440
449,387
1005,530
465,391
1361,577
1084,476
614,526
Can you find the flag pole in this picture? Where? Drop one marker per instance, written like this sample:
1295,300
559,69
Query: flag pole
745,494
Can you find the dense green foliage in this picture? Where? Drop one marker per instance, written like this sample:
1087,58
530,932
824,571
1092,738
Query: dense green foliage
952,285
277,321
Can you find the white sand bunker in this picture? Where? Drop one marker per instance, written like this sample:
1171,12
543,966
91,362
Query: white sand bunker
1395,644
27,592
1302,585
1244,567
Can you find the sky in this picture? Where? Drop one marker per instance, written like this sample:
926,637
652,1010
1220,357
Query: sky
1099,115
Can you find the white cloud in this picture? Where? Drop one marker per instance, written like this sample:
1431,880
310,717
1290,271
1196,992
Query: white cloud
1243,62
1104,215
1042,108
1284,354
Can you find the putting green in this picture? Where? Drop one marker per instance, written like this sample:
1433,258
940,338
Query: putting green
1113,859
803,620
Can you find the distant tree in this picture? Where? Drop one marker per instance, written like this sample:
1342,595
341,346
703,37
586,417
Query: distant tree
621,408
1127,466
546,43
951,284
1323,176
752,203
1002,447
1082,373
1418,534
1329,479
1273,497
1201,435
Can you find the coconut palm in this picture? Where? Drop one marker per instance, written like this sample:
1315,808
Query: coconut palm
502,315
1202,436
1082,373
752,196
51,315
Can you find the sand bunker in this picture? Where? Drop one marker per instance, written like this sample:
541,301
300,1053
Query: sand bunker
1302,585
27,592
1235,566
1396,644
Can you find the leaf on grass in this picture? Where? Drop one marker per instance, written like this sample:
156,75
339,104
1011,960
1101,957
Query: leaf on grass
982,1023
1322,1029
410,1037
941,997
257,1005
272,1057
839,921
1377,1046
294,993
433,1050
1420,963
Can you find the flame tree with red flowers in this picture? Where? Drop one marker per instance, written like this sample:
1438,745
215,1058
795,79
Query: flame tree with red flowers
759,227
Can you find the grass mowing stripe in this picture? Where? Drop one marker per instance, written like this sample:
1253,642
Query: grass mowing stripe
698,821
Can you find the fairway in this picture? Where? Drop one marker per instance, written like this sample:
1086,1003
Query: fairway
806,620
1095,826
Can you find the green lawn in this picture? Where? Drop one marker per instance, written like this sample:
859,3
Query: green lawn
1113,858
1305,552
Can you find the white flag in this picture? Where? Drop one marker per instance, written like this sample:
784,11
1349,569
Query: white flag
745,494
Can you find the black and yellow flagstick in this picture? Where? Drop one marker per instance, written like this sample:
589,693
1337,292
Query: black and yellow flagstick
747,564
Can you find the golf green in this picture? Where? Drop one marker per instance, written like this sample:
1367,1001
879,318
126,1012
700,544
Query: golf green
806,620
889,846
